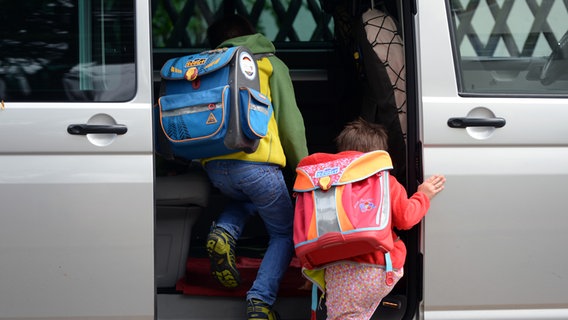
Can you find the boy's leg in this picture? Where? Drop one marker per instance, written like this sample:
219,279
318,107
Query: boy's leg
271,197
264,185
221,240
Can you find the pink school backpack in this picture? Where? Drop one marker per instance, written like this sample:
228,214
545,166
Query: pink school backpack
342,207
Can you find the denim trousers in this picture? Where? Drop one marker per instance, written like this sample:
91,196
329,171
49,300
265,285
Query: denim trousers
257,188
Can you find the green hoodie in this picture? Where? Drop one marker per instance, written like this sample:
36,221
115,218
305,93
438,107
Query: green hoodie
289,121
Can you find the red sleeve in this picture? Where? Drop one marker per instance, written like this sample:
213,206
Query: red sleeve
406,212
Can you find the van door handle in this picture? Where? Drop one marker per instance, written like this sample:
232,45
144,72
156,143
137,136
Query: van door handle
84,129
476,122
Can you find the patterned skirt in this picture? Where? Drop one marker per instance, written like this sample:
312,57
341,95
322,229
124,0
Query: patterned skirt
354,291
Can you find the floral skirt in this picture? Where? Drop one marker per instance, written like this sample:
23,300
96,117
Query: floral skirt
354,291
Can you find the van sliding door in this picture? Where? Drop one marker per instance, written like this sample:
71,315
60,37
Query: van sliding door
76,163
494,107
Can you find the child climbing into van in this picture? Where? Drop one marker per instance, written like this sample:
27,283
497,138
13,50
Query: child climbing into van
355,287
255,182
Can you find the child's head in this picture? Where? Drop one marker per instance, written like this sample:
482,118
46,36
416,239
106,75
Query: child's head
228,27
361,135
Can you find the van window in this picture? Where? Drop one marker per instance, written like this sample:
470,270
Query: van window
183,24
56,51
301,31
511,47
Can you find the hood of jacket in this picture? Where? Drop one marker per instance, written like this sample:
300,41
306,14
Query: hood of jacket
257,43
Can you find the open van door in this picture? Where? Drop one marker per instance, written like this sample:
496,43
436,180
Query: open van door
494,99
76,162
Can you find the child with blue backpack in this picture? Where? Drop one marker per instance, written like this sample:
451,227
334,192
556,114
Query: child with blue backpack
254,182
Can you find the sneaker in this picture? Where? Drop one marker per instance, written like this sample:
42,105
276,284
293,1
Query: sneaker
221,251
258,309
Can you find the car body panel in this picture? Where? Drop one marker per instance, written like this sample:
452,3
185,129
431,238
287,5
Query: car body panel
493,238
77,221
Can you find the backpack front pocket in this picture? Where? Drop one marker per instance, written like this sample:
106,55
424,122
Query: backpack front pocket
195,116
256,111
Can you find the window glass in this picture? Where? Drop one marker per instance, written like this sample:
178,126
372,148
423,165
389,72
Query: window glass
64,50
514,47
183,24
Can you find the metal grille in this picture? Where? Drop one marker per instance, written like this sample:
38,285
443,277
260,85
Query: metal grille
519,38
183,23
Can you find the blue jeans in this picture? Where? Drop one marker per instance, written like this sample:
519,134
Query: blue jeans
257,188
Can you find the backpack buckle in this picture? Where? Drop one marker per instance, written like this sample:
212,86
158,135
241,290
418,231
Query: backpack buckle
389,279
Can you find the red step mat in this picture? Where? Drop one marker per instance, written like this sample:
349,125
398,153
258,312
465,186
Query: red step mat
198,280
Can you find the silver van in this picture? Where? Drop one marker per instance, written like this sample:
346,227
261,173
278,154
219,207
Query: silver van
94,225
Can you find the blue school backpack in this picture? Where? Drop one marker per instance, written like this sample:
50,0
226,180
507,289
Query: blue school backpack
210,105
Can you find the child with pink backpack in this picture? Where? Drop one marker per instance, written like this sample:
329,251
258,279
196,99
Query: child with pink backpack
346,208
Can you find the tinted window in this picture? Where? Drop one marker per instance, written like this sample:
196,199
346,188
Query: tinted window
511,46
183,24
63,50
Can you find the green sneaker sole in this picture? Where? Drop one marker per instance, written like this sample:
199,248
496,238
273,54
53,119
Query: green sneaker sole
223,268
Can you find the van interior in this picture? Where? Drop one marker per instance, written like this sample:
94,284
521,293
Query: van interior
331,90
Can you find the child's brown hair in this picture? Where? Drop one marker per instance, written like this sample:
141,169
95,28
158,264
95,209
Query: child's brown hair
228,27
361,135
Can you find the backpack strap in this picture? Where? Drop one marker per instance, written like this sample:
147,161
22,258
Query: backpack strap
259,56
314,302
389,276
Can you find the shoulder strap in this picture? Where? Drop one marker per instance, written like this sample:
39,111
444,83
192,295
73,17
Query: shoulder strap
259,56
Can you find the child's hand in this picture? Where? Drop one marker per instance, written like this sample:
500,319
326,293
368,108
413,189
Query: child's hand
306,286
431,186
